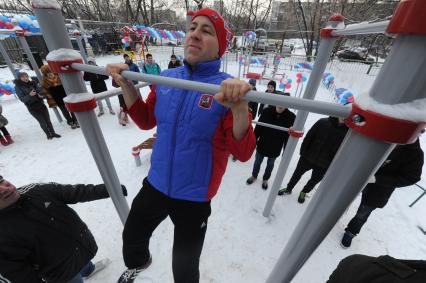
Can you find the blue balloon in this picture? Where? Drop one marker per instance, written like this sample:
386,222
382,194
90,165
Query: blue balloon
281,85
32,18
289,81
5,19
304,79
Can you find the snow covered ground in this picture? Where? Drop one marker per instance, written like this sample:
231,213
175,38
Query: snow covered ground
241,245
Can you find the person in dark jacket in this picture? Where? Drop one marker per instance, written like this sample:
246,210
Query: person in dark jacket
402,168
31,94
41,238
383,269
53,85
97,83
271,88
174,62
5,137
270,141
253,105
316,153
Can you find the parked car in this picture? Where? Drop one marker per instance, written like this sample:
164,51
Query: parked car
351,55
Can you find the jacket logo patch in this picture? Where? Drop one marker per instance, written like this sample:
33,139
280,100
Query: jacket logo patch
206,101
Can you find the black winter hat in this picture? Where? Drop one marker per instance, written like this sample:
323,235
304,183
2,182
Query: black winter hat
273,83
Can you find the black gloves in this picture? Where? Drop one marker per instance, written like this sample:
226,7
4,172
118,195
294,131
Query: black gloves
123,187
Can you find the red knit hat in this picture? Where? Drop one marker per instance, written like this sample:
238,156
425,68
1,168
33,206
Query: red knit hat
224,36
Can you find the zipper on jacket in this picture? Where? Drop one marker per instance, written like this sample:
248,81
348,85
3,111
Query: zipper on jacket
179,108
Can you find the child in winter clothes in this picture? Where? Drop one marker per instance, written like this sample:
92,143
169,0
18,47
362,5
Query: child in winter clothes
53,85
174,63
97,83
270,141
271,88
5,138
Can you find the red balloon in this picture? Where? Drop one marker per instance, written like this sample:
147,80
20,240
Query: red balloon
287,86
298,80
8,25
298,75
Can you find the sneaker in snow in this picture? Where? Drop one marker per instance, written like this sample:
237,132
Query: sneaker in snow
347,240
99,265
250,180
101,113
265,185
111,112
301,198
130,275
284,191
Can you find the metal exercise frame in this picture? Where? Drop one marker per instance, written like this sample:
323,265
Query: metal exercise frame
371,143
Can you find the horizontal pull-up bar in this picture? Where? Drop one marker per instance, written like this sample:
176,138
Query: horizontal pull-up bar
114,92
319,107
362,28
270,126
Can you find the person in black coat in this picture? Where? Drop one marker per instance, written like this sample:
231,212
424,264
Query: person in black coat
174,63
383,269
316,153
270,88
270,141
31,94
402,168
41,238
97,83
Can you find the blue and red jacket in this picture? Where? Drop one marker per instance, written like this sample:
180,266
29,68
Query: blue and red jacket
194,135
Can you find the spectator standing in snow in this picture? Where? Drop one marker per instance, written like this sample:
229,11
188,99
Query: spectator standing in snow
402,168
97,83
31,94
150,67
174,63
42,239
187,164
270,141
5,138
52,84
316,153
123,118
271,88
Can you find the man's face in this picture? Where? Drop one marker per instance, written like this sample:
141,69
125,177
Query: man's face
8,194
279,109
25,78
271,88
126,59
173,60
201,42
149,60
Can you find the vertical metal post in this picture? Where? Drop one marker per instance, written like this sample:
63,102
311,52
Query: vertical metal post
55,35
7,59
83,33
359,156
81,47
58,116
239,65
30,57
324,51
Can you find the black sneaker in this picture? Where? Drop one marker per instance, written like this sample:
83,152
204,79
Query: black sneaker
284,191
55,135
265,185
250,180
49,136
347,240
130,275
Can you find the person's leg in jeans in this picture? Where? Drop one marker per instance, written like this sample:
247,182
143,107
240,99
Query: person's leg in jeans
257,162
316,177
108,102
269,168
360,218
147,212
100,106
302,167
190,220
39,116
84,272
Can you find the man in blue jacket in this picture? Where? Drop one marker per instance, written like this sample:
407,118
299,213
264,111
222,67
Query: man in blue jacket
196,133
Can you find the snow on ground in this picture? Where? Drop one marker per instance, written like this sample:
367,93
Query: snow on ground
241,245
